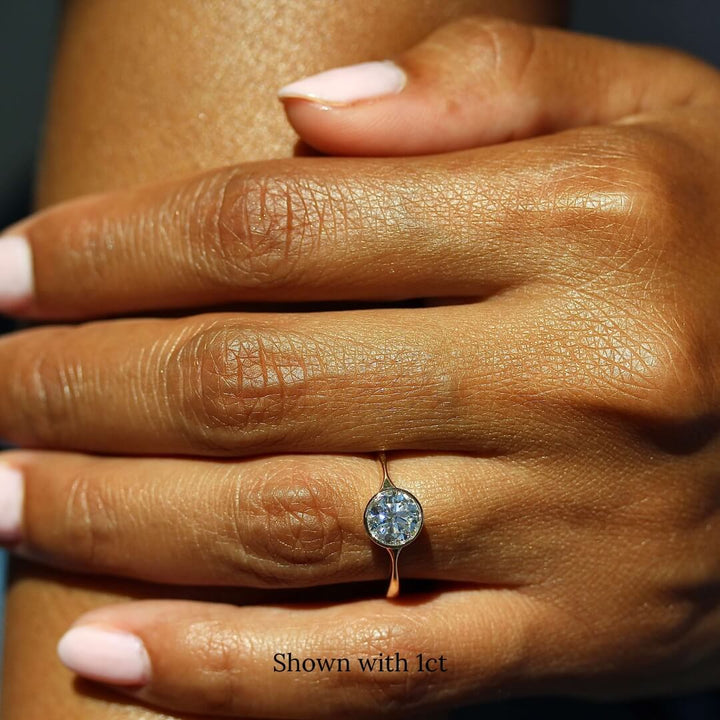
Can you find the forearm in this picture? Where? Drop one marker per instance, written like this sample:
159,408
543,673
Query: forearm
141,94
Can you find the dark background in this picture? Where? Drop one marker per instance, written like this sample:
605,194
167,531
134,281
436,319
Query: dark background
27,31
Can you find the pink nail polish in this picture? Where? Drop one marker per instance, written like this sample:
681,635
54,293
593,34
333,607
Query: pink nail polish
16,271
109,656
12,491
350,84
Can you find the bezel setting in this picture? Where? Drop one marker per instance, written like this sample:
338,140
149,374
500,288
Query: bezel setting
416,519
404,496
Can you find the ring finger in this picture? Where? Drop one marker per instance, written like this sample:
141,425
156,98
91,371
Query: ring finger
272,521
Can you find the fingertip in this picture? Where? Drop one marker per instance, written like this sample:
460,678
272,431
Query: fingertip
351,110
105,655
12,497
413,122
348,85
16,272
387,129
329,130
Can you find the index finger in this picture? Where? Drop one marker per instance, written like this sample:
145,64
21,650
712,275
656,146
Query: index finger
307,230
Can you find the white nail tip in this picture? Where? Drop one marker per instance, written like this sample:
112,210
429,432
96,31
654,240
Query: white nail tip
350,84
12,492
16,271
109,656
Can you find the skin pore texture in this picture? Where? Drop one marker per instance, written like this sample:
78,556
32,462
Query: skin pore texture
145,90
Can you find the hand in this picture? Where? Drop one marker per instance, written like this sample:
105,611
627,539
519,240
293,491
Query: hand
566,407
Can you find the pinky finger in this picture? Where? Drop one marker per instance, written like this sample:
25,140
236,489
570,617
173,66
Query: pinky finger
307,661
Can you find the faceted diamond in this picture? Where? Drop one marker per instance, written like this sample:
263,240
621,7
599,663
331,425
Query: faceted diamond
393,517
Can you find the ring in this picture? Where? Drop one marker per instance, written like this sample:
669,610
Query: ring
393,519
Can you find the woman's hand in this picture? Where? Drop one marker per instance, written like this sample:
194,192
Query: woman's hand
570,397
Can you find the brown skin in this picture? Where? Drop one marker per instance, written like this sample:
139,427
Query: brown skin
141,94
113,123
583,514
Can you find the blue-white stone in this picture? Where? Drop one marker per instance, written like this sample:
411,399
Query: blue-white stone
393,517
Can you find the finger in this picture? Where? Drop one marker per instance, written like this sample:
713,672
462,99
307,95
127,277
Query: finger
277,231
236,384
276,521
224,660
485,80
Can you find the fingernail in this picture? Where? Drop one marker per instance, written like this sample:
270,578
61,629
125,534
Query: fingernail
12,491
350,84
16,271
109,656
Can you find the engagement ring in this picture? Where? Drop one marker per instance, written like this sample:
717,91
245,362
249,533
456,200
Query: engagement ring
393,519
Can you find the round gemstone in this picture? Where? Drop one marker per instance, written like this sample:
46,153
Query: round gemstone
393,517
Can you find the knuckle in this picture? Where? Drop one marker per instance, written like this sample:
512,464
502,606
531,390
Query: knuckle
643,161
618,190
499,40
623,186
90,523
398,691
681,391
216,652
41,385
639,341
642,363
676,596
502,46
261,229
668,385
292,527
674,620
391,692
240,385
665,622
637,157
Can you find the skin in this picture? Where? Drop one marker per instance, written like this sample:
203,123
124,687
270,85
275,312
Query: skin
563,416
106,135
161,94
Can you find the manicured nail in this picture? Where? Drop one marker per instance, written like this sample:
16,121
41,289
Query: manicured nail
351,84
108,656
16,271
12,491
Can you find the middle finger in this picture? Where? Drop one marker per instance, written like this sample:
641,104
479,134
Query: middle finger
235,384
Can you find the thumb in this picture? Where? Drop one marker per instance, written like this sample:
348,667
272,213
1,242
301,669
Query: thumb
486,80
